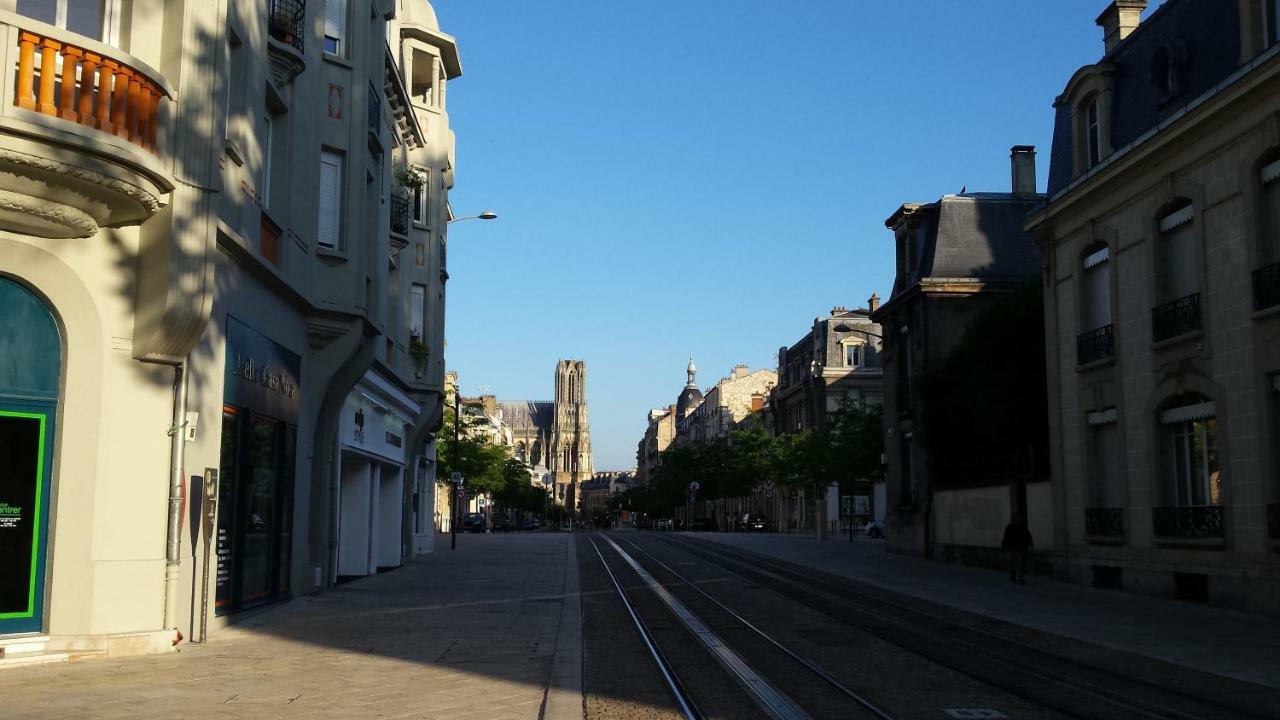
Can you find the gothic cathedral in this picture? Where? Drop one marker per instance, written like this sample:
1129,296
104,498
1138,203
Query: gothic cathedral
555,437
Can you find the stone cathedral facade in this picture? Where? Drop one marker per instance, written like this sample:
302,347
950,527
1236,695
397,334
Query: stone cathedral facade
554,436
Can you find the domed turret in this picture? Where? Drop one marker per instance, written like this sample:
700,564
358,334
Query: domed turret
691,397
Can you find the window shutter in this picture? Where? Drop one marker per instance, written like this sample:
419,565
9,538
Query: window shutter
1184,413
330,207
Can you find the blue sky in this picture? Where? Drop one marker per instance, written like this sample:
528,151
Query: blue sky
707,176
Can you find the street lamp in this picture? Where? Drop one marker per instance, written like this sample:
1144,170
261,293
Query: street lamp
484,215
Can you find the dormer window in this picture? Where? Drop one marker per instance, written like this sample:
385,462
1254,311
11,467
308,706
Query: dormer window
1093,132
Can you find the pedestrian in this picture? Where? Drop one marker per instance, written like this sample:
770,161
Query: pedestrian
1017,541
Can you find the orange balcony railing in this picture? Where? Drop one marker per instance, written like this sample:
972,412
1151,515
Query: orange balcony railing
69,82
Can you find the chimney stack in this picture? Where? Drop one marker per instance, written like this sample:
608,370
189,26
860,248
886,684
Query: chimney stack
839,310
1118,20
741,371
873,302
757,402
1022,161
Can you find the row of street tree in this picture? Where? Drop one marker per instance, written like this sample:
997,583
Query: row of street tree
488,469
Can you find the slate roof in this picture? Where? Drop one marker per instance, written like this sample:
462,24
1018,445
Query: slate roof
524,413
1208,31
980,235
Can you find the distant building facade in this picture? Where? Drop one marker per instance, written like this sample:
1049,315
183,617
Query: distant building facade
1160,239
727,403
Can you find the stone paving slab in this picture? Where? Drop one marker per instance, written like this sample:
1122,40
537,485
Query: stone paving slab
1230,643
466,633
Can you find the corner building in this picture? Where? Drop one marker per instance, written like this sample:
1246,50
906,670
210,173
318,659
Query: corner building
222,251
1160,243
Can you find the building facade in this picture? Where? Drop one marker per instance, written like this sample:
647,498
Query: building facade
956,258
658,435
730,400
1160,240
203,243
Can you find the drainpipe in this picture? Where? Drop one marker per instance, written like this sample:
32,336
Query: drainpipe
173,533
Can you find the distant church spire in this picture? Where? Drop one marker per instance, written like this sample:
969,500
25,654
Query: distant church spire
693,373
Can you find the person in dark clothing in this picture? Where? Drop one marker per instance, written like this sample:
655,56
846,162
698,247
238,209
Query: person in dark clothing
1017,541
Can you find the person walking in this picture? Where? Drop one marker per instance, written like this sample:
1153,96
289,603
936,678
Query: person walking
1017,541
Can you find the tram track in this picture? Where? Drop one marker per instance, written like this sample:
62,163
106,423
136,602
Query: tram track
1065,685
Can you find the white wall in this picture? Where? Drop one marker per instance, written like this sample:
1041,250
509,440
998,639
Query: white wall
388,520
353,516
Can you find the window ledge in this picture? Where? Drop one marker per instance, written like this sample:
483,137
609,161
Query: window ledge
1178,340
1104,362
337,60
330,255
233,151
1265,313
1204,543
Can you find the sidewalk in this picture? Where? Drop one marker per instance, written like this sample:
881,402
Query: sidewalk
1234,644
476,632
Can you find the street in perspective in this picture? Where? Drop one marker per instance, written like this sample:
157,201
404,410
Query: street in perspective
933,348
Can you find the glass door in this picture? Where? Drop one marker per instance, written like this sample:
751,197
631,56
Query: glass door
26,444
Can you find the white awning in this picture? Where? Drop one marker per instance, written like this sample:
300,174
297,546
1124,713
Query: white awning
1184,413
1177,217
1106,416
1097,257
1270,172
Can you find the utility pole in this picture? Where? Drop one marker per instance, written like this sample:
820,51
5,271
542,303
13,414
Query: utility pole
453,484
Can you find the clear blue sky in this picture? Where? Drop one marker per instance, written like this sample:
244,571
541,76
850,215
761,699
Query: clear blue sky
707,176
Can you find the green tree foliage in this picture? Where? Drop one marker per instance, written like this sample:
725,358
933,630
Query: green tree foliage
985,407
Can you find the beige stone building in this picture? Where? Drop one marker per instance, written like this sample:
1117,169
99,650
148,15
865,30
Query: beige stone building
658,435
222,248
1160,240
730,400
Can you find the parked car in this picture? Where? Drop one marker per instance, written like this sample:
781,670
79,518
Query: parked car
529,525
753,522
875,529
503,525
473,522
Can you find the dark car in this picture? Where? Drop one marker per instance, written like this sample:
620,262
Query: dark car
530,525
503,525
473,522
701,525
753,522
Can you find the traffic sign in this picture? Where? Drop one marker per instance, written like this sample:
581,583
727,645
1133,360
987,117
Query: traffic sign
455,478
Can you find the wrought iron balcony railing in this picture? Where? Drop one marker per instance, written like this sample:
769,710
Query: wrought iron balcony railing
1176,317
1095,345
1266,286
1104,522
1273,522
1189,521
399,214
285,21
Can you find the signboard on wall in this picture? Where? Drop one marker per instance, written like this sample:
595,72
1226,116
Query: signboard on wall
261,374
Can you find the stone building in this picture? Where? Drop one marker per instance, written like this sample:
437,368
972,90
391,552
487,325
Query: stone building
555,434
955,258
730,400
209,284
658,434
1160,244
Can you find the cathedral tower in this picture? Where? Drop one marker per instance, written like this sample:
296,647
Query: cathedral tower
571,434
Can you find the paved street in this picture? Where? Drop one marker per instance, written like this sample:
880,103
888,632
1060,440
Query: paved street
473,633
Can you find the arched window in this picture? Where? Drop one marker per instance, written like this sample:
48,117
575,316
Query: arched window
1095,341
1177,277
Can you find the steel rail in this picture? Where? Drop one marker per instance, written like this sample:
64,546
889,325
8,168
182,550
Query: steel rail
813,667
1149,709
687,707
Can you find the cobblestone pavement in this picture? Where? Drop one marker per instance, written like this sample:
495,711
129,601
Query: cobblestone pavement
1234,644
470,633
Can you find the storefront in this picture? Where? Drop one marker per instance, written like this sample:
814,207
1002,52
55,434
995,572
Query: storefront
30,366
256,470
376,418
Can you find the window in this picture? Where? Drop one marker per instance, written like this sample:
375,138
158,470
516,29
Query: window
422,199
1272,10
1106,489
852,354
335,27
1178,253
1093,133
1096,288
1270,177
264,173
1191,445
418,300
91,18
328,230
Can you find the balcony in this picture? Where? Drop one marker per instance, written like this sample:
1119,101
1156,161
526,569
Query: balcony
1175,318
1095,345
1189,522
1104,522
80,135
286,26
399,214
1266,287
1273,522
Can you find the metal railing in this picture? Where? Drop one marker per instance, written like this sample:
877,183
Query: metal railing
1266,286
399,214
1176,317
285,21
79,85
1095,345
1189,521
1104,522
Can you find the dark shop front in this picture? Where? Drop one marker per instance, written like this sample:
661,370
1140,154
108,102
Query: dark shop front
256,470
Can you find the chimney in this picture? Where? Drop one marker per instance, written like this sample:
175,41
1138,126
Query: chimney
1118,20
838,310
740,371
873,302
1022,161
757,402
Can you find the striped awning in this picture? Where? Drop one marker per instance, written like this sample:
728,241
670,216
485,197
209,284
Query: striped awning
1185,413
1097,257
1181,216
1270,172
1105,416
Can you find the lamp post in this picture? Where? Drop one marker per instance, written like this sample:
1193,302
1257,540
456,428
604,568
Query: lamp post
484,215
